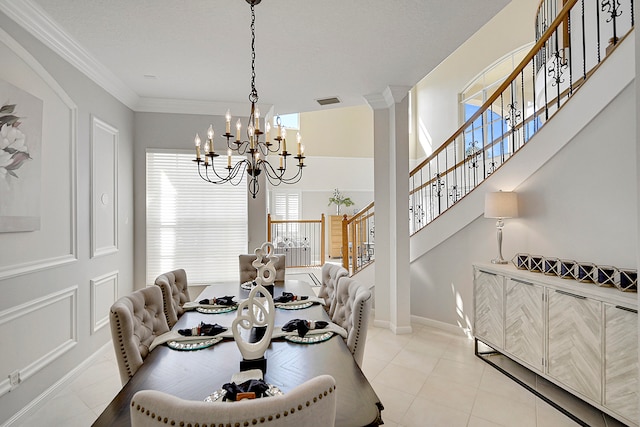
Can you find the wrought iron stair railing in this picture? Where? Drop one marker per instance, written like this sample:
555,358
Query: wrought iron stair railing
563,58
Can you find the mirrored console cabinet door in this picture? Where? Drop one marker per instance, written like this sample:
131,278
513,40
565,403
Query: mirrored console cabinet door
488,307
524,322
621,360
574,342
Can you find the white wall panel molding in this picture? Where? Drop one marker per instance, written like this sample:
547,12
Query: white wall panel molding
31,352
104,188
70,127
104,292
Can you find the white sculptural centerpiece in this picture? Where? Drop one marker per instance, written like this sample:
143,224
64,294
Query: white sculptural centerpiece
265,252
257,311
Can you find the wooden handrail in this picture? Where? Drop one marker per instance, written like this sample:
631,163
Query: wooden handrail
507,82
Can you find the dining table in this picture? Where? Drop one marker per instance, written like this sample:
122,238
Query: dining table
197,374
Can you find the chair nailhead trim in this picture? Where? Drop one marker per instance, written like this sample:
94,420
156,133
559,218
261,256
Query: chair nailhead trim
254,421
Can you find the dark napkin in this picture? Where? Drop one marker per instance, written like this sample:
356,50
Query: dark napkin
226,300
289,297
259,387
303,326
203,329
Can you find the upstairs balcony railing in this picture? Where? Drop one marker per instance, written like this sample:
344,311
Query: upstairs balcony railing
567,52
301,240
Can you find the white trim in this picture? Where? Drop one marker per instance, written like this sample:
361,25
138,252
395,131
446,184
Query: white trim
457,330
400,330
36,404
22,310
35,20
183,106
97,324
96,251
29,267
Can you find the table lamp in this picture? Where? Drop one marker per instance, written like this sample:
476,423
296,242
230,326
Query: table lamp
500,205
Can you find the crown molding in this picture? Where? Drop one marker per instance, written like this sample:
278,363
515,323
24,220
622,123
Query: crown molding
376,101
35,20
182,106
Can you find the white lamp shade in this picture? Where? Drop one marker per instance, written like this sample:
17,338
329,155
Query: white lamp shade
502,204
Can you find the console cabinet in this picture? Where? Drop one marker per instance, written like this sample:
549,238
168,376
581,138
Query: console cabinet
581,337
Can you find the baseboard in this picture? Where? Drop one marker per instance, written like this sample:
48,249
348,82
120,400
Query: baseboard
457,330
19,417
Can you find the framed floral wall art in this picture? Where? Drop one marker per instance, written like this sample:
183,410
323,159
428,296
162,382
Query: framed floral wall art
20,159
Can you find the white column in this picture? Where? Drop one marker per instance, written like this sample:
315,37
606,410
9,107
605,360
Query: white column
391,182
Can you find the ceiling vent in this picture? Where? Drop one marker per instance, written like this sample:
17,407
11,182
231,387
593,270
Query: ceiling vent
328,101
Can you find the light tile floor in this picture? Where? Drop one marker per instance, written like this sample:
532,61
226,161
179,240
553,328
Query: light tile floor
427,378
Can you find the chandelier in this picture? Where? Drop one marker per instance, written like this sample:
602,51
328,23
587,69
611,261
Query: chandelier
254,150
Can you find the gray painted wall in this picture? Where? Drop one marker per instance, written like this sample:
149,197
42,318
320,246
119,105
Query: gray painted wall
27,306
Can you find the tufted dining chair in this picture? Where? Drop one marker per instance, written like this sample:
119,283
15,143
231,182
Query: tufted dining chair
330,274
313,403
136,320
248,271
175,293
353,307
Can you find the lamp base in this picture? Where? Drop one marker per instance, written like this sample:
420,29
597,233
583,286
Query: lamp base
499,261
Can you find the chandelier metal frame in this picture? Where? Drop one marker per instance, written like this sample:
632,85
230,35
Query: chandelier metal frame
256,151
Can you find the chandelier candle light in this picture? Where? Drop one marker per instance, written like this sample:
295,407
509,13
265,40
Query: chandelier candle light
255,150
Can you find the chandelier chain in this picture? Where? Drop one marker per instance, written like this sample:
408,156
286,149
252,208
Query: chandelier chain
253,96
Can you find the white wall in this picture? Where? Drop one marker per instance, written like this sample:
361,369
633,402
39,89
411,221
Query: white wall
582,205
55,286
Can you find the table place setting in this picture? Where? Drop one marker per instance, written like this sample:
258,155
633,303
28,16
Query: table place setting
202,336
290,301
244,385
303,331
217,305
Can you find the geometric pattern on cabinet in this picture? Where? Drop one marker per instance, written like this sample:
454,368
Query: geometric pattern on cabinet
524,322
574,343
621,361
488,323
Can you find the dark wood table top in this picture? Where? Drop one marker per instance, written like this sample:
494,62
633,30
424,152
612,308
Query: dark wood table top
194,375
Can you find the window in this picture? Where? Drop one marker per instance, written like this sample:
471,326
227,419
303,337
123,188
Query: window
286,205
192,224
289,121
490,126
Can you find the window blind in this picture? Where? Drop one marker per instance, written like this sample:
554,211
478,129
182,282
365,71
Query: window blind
193,224
287,205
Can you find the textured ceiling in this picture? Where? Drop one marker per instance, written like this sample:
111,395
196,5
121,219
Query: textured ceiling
199,50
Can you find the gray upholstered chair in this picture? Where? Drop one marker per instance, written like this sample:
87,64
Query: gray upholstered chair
330,274
175,293
136,320
353,307
312,403
248,271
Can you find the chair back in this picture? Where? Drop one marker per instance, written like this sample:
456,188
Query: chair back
330,274
353,307
312,403
175,293
248,271
136,320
